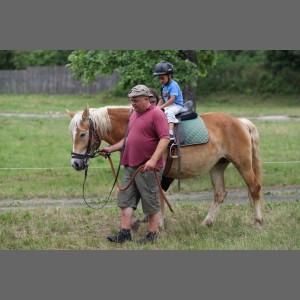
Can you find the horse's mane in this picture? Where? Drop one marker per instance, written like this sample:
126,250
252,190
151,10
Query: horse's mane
99,117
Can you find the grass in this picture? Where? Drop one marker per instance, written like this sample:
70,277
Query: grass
235,104
46,143
53,104
250,105
86,229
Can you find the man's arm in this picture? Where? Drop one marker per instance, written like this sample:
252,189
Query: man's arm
116,147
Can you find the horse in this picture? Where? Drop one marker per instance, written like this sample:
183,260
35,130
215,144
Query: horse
231,140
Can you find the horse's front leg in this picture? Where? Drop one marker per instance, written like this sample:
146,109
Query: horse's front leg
220,192
135,222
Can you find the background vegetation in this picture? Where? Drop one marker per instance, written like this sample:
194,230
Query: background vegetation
253,72
234,71
242,83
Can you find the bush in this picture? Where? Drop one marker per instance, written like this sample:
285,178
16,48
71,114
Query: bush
248,74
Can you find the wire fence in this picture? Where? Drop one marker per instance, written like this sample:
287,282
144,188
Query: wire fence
106,167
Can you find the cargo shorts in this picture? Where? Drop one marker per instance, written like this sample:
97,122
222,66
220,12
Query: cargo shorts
144,187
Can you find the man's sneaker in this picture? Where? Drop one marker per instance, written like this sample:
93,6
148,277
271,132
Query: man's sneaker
122,236
149,238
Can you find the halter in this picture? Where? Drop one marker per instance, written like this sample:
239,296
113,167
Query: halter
91,148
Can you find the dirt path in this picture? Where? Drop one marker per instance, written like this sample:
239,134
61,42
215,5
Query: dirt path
274,194
59,115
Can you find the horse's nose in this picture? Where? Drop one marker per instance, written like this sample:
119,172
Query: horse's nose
75,165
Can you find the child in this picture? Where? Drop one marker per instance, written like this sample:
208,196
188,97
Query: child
172,100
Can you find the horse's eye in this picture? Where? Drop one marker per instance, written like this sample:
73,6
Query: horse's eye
82,134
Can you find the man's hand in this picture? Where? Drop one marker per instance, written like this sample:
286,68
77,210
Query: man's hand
104,151
150,165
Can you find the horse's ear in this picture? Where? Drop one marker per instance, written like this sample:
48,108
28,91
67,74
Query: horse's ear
86,112
70,113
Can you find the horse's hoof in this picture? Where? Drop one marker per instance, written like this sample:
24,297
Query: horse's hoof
257,225
207,223
162,225
144,220
136,225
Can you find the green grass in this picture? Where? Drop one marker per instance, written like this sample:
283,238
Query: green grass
53,104
250,105
46,143
77,228
235,104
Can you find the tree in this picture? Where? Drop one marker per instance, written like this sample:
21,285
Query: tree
24,59
277,60
19,59
136,66
6,60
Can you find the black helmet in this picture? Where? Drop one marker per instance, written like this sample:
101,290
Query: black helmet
163,68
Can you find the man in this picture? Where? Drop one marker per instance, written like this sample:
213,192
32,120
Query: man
147,140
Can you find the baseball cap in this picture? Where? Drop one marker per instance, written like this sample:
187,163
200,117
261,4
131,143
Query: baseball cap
140,90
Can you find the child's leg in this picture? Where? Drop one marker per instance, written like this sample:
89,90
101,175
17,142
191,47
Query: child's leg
171,131
170,112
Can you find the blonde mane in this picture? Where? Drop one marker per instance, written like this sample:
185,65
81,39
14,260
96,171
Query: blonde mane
100,119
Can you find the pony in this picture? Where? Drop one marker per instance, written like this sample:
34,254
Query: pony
231,140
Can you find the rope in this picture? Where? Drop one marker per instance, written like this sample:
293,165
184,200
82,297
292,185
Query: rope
139,169
56,168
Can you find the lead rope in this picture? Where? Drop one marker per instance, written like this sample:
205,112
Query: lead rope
139,169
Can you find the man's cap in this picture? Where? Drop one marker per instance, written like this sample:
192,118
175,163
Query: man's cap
140,90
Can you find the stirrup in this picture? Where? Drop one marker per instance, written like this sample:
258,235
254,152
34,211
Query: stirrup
171,147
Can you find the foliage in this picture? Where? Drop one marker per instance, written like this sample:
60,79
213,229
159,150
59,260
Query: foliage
278,60
6,60
249,72
19,59
136,66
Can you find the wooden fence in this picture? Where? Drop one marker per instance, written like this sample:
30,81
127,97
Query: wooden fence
50,80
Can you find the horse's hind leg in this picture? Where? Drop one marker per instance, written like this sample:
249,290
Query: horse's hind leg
220,192
254,188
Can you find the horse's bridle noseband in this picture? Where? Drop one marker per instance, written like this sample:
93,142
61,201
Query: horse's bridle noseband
90,150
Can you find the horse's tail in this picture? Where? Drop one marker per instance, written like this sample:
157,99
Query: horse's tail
256,163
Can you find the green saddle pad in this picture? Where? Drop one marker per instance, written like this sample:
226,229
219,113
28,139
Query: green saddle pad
195,132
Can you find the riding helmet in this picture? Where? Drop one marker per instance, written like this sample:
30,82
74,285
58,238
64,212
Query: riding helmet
163,68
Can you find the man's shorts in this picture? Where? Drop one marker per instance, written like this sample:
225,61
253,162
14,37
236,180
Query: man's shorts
144,187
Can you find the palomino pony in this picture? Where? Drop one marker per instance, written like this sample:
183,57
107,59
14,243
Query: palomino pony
232,140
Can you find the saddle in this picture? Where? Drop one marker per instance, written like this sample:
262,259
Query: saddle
186,133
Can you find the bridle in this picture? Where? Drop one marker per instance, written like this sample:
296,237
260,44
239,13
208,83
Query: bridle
91,148
91,152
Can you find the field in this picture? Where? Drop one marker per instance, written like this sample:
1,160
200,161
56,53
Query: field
35,163
83,228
